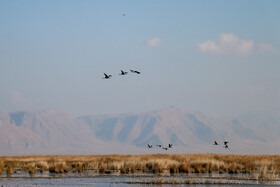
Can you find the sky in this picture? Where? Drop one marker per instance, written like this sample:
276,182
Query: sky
218,57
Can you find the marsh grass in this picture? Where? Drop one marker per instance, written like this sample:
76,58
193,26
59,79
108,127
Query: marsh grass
59,167
182,181
32,171
260,167
10,169
266,172
1,165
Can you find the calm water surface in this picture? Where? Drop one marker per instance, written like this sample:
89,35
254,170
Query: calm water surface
98,181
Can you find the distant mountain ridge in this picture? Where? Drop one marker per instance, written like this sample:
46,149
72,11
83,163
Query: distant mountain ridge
55,132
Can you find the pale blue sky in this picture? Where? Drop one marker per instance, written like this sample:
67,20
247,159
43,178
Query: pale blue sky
218,57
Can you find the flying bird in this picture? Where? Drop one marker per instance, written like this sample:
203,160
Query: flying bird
159,145
150,146
165,148
170,145
107,76
134,71
226,146
225,143
215,143
123,72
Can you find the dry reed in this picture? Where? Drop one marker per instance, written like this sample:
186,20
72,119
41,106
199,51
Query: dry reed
262,167
1,165
181,181
10,170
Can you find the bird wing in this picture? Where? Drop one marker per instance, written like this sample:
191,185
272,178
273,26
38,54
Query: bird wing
134,71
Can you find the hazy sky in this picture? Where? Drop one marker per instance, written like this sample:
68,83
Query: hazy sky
218,57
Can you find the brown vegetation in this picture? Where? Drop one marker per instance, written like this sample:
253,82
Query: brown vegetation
261,167
1,165
10,169
181,181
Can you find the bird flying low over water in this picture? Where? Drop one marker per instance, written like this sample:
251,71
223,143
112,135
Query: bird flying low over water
107,76
226,146
170,145
225,143
159,145
165,148
123,72
134,71
150,146
215,143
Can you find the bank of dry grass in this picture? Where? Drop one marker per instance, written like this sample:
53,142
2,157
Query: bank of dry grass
261,167
182,181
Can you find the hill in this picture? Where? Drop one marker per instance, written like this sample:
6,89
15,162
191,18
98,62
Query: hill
55,132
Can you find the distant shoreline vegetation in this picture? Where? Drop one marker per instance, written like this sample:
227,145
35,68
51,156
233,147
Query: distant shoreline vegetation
256,167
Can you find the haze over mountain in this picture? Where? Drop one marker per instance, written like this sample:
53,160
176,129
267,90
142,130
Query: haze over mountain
55,132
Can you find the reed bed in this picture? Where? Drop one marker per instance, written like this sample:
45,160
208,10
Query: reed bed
183,181
1,165
260,167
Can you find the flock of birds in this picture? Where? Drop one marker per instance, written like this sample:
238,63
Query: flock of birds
161,146
170,145
225,144
106,76
122,73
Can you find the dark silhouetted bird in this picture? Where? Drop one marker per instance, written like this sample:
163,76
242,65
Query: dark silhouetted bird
123,72
159,145
165,148
107,76
134,71
150,146
226,146
225,143
170,145
215,143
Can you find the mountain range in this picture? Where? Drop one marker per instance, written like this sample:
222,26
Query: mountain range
56,132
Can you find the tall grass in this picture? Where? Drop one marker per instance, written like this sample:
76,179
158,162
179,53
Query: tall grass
1,165
10,170
263,167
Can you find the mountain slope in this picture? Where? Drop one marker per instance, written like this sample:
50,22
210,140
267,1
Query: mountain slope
55,132
46,132
189,132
